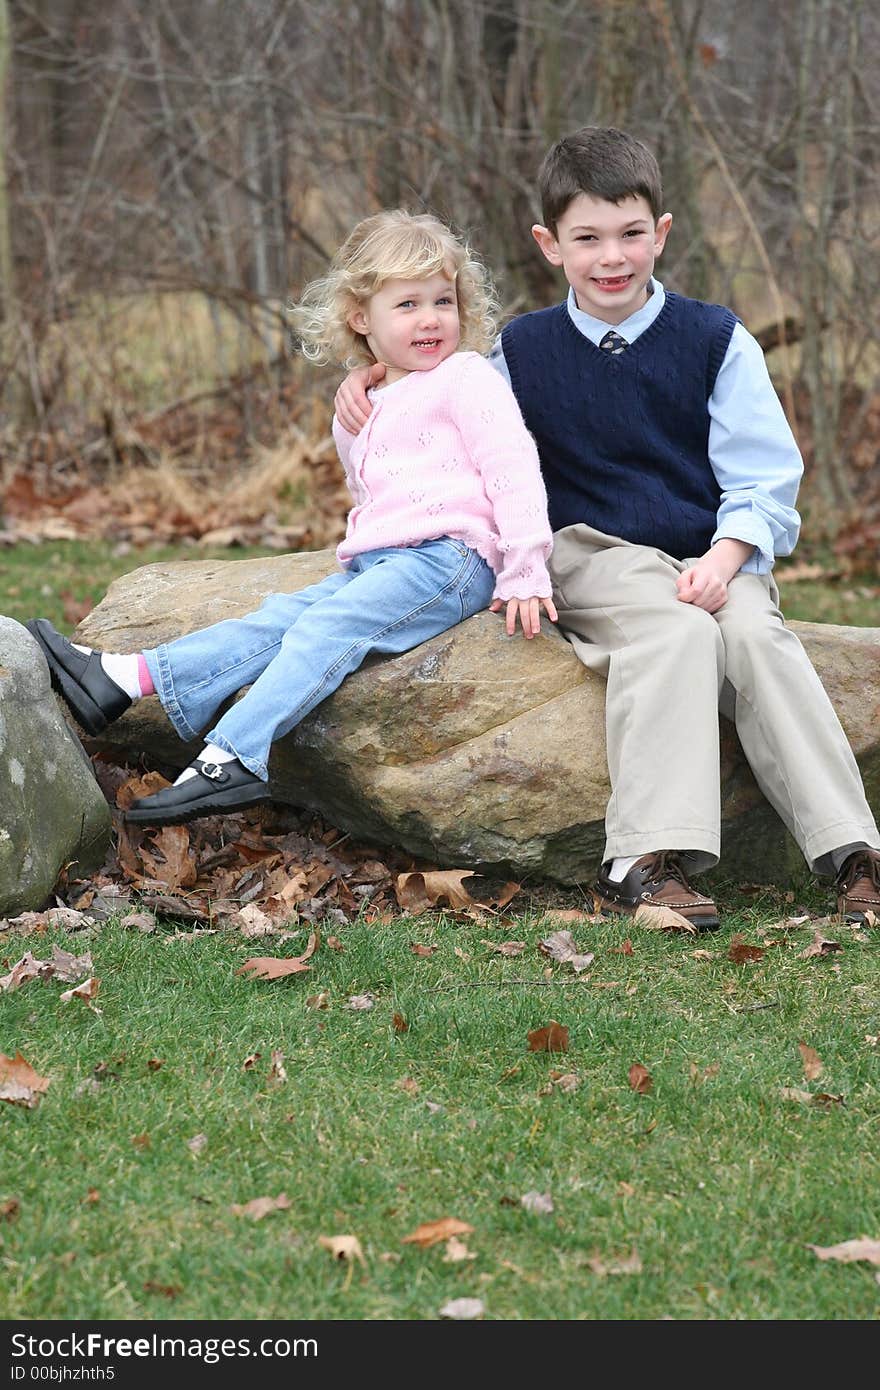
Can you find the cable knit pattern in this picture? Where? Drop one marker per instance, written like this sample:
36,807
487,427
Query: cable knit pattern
446,453
624,437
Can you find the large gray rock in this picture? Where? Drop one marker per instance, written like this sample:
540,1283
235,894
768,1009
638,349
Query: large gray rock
53,812
473,749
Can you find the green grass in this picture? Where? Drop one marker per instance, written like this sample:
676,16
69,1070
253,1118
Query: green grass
44,581
852,602
727,1182
718,1183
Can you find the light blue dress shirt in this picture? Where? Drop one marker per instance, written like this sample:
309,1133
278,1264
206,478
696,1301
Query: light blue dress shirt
752,450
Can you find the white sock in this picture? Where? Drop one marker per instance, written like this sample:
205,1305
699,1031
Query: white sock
621,867
123,670
840,856
209,754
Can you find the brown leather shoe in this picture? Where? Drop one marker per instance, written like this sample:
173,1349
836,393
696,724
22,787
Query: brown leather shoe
858,886
660,881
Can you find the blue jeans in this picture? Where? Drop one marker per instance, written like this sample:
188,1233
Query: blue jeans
296,649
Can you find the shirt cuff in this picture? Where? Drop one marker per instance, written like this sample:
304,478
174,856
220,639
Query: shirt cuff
749,530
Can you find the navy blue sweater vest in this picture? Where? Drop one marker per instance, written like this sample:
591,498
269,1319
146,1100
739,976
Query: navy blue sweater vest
623,438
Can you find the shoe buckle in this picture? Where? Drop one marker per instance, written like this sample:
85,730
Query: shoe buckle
214,771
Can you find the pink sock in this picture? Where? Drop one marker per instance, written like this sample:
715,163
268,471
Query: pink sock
145,680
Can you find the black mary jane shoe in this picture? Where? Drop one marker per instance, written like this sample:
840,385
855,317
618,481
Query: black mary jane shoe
216,789
92,697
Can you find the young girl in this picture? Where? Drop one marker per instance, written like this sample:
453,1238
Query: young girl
449,517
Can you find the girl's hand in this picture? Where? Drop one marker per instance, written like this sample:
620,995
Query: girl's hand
350,402
529,610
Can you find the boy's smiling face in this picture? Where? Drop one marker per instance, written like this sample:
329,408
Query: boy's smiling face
607,251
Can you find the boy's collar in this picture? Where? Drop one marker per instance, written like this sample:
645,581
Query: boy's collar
595,329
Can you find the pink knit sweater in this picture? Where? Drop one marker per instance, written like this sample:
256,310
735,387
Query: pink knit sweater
446,453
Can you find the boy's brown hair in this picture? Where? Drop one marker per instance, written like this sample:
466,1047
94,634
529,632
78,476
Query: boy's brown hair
601,162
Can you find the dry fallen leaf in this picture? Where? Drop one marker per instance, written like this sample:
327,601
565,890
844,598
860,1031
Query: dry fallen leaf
640,1079
252,921
705,1074
416,892
552,1038
559,945
361,1001
463,1309
62,966
630,1264
399,1023
419,950
625,950
819,946
23,971
456,1251
504,948
433,1232
740,951
136,787
139,921
343,1247
571,914
541,1202
177,866
565,1080
86,991
258,1207
850,1250
9,1209
654,918
272,967
824,1099
812,1062
319,1001
19,1083
277,1073
197,1144
408,1084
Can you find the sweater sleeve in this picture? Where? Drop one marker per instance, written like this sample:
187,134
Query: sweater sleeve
343,441
488,418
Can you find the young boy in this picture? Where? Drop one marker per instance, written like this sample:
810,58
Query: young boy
671,475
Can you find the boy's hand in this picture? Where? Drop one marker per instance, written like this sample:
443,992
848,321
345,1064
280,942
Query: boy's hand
529,610
350,402
705,583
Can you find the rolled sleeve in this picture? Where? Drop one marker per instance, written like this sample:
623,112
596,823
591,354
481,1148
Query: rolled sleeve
496,357
754,457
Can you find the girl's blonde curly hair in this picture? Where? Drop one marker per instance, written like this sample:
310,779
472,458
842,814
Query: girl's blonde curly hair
391,245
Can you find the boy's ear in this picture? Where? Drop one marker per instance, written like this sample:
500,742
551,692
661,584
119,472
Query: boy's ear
661,232
548,243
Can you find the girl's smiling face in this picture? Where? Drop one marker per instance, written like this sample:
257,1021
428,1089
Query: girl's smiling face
410,325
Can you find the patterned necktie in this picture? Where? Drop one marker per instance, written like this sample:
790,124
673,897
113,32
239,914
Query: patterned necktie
613,343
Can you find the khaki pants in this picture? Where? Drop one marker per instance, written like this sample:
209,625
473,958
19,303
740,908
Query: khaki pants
670,667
